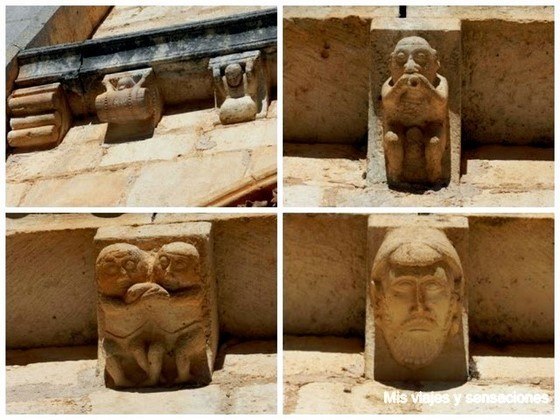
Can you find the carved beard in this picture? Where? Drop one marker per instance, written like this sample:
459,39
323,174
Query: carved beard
415,349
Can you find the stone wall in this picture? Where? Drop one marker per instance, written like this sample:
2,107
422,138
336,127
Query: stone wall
507,72
50,288
510,276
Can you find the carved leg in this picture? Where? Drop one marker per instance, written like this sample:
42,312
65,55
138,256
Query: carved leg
394,154
139,352
434,153
155,362
115,371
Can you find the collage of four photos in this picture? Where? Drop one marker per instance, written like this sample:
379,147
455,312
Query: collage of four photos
279,209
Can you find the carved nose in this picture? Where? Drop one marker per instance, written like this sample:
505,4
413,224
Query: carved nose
410,66
419,304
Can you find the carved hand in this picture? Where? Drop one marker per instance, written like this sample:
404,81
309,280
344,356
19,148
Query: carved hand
139,290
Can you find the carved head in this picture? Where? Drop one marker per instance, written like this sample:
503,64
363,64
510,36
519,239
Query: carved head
119,266
126,82
234,75
177,265
418,283
414,55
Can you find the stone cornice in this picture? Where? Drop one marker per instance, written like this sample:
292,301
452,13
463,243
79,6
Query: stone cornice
78,66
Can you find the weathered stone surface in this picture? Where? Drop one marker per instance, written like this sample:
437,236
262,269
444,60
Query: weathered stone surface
157,305
131,104
126,19
416,318
254,399
50,303
324,274
511,286
247,288
241,86
417,128
247,238
510,370
40,116
97,189
62,380
187,182
334,54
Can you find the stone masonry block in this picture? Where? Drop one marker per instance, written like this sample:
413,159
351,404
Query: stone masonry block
416,310
157,309
414,129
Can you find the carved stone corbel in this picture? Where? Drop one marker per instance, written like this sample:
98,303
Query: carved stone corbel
132,105
157,314
40,116
416,318
241,87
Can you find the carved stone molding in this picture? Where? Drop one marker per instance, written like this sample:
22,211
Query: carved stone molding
157,314
241,86
414,134
132,105
417,319
40,116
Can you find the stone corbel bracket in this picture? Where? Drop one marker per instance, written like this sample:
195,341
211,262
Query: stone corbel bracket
416,305
132,105
178,57
40,117
157,305
241,86
414,123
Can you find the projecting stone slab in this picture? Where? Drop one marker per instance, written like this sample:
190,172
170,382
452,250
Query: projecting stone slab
416,318
414,128
157,309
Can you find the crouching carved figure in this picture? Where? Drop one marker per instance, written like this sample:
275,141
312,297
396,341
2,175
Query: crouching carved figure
415,118
151,315
240,86
417,293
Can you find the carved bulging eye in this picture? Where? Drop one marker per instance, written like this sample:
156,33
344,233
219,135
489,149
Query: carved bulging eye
433,286
163,261
129,265
421,58
179,265
401,57
112,268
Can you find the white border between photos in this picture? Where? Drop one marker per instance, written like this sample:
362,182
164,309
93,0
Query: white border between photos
280,210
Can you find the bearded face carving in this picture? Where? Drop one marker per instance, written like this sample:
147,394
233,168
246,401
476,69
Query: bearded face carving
417,288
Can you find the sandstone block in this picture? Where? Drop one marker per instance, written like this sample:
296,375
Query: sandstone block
416,311
157,309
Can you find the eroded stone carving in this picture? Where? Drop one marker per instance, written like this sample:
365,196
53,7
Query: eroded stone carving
241,87
132,105
40,116
152,315
415,117
417,294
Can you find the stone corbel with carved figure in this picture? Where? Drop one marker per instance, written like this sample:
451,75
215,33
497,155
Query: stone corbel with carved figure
415,115
241,87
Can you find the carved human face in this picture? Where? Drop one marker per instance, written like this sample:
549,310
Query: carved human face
125,83
234,75
119,266
417,306
414,55
177,266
